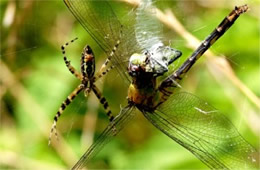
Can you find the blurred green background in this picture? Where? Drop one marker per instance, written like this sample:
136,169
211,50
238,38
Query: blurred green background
34,81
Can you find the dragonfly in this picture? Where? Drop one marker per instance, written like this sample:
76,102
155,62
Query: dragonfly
140,59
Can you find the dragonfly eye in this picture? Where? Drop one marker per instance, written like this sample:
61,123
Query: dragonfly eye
137,63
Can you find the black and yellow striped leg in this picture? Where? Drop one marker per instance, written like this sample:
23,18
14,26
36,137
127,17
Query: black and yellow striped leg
103,70
170,83
98,76
67,62
62,108
103,101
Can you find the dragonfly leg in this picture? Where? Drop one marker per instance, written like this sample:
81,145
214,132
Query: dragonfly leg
103,101
103,70
67,62
68,100
167,87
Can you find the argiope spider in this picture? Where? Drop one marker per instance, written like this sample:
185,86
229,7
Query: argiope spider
87,78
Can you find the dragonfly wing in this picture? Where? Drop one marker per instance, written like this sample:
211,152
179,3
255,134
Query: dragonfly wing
101,22
120,121
147,28
204,131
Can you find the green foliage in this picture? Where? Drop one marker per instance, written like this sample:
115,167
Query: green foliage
39,81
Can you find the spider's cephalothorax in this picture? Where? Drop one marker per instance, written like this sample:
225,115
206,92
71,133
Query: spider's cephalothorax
87,78
144,69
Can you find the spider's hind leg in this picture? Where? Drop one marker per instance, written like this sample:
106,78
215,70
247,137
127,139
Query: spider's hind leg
103,101
67,62
62,108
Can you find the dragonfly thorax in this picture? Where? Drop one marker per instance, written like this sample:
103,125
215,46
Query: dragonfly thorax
144,69
142,93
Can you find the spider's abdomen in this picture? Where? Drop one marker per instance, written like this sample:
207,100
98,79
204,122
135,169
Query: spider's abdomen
88,62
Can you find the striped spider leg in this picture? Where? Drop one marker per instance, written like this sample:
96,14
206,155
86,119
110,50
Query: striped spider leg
168,86
87,78
104,68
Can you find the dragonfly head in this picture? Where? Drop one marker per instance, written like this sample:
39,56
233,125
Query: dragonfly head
154,62
137,64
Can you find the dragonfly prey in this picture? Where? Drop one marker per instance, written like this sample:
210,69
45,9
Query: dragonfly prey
183,117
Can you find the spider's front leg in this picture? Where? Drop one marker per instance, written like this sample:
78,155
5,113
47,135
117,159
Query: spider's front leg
67,62
170,84
104,69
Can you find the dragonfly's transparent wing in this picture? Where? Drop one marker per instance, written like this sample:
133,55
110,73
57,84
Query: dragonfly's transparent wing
149,35
100,21
204,131
147,28
120,121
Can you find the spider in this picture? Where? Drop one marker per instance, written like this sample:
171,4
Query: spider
87,78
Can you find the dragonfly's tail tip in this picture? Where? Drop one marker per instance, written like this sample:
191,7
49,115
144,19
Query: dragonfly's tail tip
242,9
